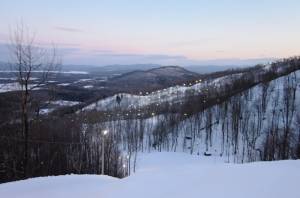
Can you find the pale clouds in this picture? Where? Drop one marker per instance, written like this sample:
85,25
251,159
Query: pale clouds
67,29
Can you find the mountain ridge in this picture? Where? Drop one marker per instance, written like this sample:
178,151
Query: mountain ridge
154,78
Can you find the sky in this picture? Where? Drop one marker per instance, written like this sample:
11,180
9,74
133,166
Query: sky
177,32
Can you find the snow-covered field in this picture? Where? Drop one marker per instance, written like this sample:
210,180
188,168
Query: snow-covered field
58,103
40,71
171,175
13,87
64,102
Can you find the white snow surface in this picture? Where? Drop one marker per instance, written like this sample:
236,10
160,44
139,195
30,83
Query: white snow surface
64,102
41,71
64,84
175,175
73,186
7,87
58,103
88,86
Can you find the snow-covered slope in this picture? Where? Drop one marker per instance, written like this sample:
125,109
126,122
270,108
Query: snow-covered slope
180,175
239,128
171,175
171,94
73,186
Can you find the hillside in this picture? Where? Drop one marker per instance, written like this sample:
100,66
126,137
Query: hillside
247,125
154,78
209,88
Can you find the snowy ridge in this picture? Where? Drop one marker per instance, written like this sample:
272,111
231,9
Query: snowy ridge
171,95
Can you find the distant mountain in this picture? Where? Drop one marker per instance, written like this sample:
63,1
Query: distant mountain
109,69
130,67
122,69
154,78
201,69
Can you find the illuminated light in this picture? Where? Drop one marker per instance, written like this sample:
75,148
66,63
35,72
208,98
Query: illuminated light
104,132
153,113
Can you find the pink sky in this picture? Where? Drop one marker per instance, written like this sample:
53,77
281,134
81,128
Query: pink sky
169,32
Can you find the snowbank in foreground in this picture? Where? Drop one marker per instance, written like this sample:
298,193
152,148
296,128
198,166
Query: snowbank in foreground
67,186
172,175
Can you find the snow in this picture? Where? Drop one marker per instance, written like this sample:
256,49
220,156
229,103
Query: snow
4,78
83,80
173,175
7,87
73,186
173,94
64,84
40,71
72,72
88,86
64,103
180,175
195,127
58,103
45,111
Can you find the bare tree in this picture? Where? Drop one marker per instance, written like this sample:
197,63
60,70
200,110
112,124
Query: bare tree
27,59
289,98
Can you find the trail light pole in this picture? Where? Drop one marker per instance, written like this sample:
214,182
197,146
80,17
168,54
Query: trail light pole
124,170
128,164
104,133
